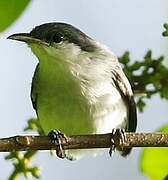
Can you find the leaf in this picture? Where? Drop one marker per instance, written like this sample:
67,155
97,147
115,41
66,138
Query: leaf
141,104
10,11
165,33
154,161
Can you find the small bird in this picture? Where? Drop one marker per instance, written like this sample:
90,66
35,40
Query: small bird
78,85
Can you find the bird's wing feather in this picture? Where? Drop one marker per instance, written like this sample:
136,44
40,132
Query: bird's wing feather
127,95
34,92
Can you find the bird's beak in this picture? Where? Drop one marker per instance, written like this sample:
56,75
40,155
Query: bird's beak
26,37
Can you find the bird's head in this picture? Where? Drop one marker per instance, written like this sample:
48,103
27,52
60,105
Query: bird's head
60,39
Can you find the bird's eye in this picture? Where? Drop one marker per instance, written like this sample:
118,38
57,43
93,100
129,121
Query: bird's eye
58,37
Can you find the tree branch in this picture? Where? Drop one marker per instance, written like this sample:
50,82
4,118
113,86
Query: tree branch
24,143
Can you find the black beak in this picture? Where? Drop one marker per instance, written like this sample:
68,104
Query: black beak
26,37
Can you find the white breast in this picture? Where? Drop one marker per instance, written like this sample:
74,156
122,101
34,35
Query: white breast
107,105
110,111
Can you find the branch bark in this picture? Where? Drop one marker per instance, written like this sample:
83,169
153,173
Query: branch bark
24,143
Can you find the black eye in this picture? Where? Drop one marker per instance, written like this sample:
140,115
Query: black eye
58,37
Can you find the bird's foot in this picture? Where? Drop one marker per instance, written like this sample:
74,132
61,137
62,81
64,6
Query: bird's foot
56,138
118,138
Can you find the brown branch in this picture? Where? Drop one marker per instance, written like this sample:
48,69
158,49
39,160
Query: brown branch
24,143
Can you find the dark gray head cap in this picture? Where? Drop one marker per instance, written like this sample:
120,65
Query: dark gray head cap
46,32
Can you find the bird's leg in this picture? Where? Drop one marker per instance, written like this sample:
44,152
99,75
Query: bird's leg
56,137
118,138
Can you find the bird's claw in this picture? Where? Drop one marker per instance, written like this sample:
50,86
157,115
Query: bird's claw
118,139
56,138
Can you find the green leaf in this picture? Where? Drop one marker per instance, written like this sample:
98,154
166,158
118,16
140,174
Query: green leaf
125,58
141,104
10,11
165,33
154,161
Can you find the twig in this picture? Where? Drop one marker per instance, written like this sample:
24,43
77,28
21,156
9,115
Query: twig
24,143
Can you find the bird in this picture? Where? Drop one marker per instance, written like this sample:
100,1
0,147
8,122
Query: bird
78,86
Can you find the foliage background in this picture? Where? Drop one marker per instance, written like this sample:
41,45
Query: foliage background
123,25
